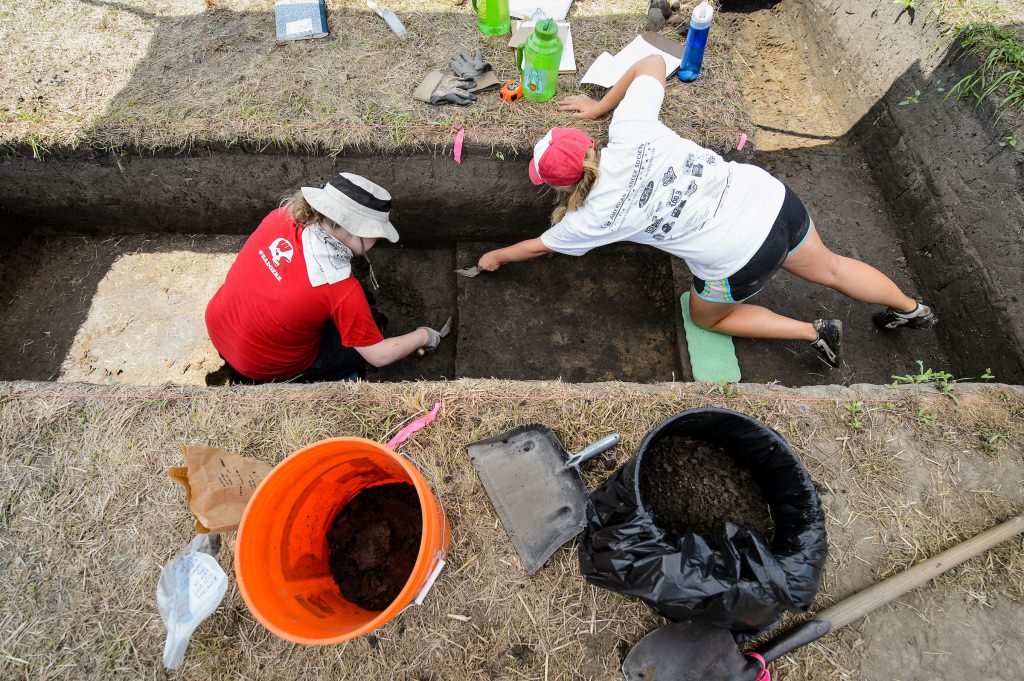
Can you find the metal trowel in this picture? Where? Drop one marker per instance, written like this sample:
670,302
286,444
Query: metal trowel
468,271
535,487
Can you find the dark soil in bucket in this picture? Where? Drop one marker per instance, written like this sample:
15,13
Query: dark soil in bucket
694,486
373,544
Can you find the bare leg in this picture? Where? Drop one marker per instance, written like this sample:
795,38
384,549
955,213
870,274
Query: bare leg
814,262
749,321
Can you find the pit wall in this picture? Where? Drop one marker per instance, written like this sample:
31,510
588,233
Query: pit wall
958,195
486,198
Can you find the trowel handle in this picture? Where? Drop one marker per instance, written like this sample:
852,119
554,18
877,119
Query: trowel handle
877,595
602,445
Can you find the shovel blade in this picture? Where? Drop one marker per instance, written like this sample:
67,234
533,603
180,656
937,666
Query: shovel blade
688,651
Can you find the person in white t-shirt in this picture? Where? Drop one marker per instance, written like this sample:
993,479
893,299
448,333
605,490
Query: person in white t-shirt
734,224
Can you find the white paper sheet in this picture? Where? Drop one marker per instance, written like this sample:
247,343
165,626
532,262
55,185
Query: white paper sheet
552,9
606,69
568,62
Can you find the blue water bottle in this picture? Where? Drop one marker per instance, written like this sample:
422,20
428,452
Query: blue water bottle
696,41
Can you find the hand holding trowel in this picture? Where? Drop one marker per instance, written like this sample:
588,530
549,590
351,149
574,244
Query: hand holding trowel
535,487
433,343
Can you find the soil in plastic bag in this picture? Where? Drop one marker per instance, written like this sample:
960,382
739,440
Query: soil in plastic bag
373,544
694,486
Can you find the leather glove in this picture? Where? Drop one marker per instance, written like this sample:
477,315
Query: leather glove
435,340
439,89
470,66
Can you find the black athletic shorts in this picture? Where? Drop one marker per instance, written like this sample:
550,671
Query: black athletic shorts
334,362
789,231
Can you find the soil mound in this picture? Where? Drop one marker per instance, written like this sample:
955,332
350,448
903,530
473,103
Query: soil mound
695,486
373,543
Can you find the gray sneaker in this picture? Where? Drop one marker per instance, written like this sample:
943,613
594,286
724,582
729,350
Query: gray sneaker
921,318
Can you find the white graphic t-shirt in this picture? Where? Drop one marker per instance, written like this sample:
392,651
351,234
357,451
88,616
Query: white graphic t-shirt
659,189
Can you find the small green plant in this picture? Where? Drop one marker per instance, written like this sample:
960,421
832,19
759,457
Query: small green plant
1008,141
926,417
911,99
991,442
907,5
942,379
726,389
499,155
855,409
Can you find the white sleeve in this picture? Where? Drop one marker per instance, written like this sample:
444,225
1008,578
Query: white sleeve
572,237
640,107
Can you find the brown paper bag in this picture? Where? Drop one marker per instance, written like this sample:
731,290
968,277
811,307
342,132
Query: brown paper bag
219,485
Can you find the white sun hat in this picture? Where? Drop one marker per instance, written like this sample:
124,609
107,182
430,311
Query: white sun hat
359,206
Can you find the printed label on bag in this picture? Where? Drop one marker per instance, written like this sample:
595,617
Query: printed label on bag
300,26
535,79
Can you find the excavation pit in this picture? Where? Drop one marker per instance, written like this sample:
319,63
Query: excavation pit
107,288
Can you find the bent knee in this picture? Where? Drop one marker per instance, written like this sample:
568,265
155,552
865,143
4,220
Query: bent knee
706,323
705,318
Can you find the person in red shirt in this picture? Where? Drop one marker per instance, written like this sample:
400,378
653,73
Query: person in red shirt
290,308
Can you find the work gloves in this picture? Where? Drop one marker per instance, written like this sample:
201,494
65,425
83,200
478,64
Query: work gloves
474,75
435,340
470,66
439,89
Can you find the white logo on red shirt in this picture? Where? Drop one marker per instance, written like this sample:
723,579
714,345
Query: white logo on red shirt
281,248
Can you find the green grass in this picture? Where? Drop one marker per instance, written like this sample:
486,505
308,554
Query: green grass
1001,72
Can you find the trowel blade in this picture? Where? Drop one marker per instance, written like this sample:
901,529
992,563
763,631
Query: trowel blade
687,651
468,271
446,329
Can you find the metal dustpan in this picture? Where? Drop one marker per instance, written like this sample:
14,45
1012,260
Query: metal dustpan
535,487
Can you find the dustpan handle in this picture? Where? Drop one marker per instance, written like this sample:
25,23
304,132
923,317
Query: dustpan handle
599,447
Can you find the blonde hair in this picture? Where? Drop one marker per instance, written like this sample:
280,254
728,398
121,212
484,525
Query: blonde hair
304,214
570,198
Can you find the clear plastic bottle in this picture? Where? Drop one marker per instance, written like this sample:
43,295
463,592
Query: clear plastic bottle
696,42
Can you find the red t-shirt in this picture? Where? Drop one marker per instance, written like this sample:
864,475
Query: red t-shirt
267,320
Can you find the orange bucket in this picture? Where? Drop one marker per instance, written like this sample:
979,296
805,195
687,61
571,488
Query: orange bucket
281,554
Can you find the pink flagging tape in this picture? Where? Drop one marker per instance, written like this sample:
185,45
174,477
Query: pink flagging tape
743,142
458,145
764,674
418,424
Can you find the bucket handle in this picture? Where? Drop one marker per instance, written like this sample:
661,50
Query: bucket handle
429,584
442,555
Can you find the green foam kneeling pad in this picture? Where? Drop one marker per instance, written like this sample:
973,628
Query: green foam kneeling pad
712,355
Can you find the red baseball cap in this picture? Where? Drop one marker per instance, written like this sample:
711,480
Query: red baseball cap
558,157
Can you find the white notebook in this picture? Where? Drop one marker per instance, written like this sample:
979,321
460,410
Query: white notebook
607,69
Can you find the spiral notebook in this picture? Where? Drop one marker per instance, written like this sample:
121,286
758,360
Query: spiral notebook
300,19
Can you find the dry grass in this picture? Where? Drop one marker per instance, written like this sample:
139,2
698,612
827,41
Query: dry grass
87,519
956,13
149,74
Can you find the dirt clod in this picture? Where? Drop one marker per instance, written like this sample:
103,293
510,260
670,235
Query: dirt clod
373,543
695,486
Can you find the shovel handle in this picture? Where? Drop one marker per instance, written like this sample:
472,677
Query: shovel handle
602,445
877,595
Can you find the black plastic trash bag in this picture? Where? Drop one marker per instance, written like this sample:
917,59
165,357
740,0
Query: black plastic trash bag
739,582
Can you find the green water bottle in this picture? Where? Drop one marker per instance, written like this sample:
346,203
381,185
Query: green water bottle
538,60
492,16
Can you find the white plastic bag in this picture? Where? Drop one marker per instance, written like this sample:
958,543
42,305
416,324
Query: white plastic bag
191,587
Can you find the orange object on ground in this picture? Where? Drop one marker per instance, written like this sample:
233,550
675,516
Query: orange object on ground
511,91
281,555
